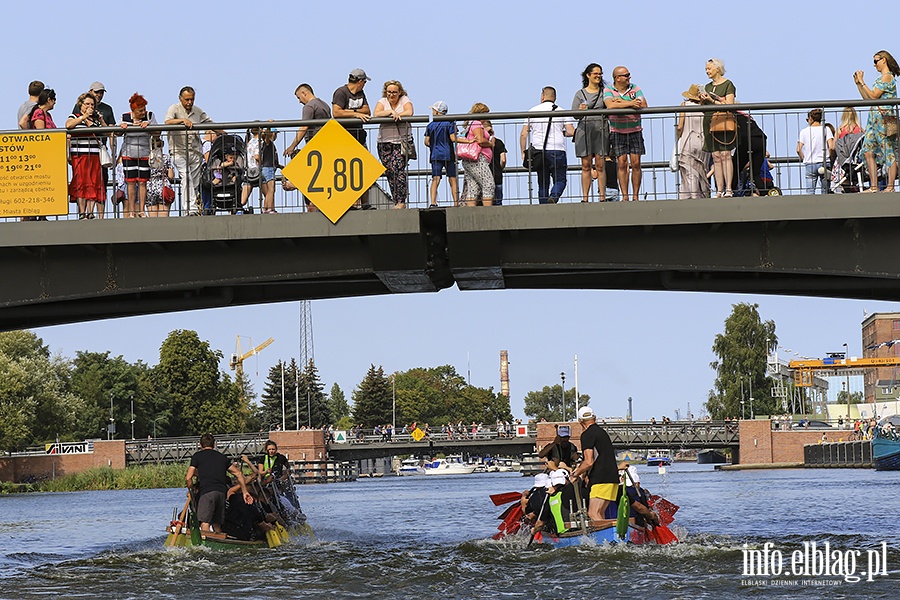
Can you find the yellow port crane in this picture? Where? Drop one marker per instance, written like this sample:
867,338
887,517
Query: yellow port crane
804,370
237,359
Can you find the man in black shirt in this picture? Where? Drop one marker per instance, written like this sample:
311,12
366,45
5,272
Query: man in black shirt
211,468
561,452
599,466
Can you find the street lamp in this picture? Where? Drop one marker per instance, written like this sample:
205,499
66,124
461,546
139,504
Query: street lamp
563,377
393,402
132,416
742,409
109,429
154,425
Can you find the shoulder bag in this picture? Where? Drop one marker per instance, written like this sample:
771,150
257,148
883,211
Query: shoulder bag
534,158
407,145
470,150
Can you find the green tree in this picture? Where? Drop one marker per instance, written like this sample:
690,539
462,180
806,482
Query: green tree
372,400
337,403
547,403
188,371
855,397
313,404
36,404
742,350
275,398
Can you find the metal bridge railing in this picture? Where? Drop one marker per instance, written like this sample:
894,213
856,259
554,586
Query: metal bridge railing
780,122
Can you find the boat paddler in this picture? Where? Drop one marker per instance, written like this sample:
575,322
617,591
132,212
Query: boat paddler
211,468
274,463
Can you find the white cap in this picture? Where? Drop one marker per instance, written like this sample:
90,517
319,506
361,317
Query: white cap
586,413
542,480
633,477
559,477
441,107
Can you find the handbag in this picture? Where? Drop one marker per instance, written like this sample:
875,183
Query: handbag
168,194
723,122
407,145
890,125
468,151
106,160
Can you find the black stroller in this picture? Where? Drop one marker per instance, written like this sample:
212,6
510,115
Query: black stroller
226,171
853,170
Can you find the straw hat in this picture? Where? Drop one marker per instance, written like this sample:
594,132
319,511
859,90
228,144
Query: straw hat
693,93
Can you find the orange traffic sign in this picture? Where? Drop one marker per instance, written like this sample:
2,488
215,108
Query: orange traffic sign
333,170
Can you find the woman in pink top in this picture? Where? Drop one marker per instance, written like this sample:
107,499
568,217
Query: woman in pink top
479,178
40,115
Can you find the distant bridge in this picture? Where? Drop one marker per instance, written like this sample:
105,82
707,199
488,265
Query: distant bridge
624,436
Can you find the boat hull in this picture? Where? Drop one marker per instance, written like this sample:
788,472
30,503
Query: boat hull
886,454
576,538
451,470
659,462
711,457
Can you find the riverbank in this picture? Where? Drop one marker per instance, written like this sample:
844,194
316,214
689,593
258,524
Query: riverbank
144,477
760,467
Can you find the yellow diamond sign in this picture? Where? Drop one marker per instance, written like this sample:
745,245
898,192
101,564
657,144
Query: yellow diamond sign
333,170
417,434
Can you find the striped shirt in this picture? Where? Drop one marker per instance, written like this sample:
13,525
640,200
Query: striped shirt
624,123
83,144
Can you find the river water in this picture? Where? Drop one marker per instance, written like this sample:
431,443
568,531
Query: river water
428,537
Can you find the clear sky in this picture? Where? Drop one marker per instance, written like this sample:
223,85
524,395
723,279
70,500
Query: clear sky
245,59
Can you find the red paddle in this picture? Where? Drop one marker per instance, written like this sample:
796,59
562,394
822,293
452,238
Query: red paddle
665,509
501,499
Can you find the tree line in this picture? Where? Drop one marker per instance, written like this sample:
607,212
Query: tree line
45,396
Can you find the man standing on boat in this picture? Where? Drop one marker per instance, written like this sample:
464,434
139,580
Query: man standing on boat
211,468
599,467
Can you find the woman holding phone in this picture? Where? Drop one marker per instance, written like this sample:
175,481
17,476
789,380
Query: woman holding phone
719,91
878,143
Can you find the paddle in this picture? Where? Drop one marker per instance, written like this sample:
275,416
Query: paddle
173,537
506,498
537,530
623,514
279,534
512,521
665,509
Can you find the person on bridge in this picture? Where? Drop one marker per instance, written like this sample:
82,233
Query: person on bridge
561,452
626,135
211,468
548,136
880,141
599,467
349,101
185,148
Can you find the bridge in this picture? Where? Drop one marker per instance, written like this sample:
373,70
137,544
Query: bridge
827,246
625,436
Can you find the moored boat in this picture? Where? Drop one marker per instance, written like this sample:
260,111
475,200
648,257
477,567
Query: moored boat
886,444
411,466
452,465
711,457
659,458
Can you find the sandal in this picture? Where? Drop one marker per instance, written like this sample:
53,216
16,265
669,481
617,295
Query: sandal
728,194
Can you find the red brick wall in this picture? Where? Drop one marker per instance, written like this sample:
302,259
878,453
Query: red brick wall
760,445
106,454
300,445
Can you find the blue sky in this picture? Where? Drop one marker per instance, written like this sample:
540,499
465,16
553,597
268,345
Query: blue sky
245,59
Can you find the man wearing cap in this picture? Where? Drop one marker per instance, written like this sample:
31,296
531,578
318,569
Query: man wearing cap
185,148
599,466
349,101
561,452
440,137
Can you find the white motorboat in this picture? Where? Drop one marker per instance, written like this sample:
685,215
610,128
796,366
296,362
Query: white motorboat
452,465
411,466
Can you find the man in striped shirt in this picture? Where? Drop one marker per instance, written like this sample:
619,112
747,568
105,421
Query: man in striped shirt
626,133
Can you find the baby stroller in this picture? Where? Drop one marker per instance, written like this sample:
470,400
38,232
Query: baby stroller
751,167
226,172
853,171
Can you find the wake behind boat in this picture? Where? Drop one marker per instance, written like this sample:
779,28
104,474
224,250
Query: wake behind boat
452,465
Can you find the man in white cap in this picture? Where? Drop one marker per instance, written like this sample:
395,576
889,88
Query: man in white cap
599,467
349,101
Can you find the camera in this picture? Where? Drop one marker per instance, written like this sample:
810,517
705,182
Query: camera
563,431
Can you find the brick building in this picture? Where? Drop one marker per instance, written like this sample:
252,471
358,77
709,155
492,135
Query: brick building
879,331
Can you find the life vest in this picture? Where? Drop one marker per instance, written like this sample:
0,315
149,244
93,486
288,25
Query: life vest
555,503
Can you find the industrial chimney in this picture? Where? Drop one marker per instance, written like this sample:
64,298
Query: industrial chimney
504,373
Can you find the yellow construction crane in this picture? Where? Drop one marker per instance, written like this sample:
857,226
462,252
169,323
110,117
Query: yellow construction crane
804,370
237,359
